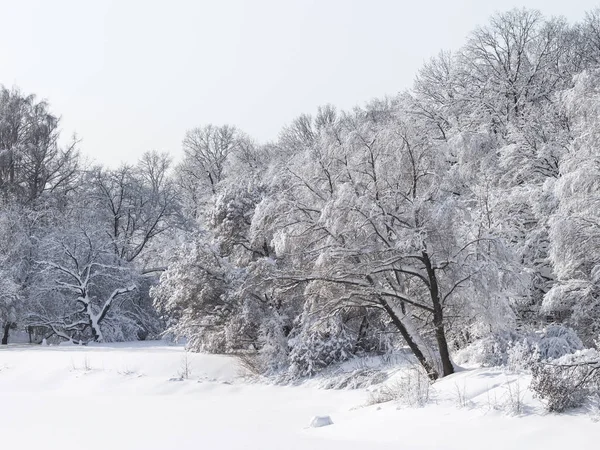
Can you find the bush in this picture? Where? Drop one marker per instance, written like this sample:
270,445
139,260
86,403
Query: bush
272,355
522,355
514,398
521,351
357,379
491,351
557,341
567,382
410,389
314,350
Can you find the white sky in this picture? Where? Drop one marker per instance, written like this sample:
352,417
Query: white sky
130,76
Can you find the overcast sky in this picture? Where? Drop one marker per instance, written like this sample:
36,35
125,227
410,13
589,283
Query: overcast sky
130,76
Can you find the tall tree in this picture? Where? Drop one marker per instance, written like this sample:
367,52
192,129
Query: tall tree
31,160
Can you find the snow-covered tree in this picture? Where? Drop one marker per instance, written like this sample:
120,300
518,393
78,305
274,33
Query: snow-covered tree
82,291
32,162
136,204
463,209
575,225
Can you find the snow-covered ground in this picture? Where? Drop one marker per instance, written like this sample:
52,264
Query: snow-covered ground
131,396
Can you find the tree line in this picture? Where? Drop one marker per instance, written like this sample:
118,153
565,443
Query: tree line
464,207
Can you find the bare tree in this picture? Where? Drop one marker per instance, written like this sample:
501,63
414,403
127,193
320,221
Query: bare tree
31,160
206,150
517,59
136,203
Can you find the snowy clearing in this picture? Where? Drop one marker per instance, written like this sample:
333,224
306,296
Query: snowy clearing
132,396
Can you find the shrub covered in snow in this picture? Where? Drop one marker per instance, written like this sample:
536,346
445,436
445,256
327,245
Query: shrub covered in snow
411,388
314,349
569,381
357,379
490,351
521,351
522,355
557,341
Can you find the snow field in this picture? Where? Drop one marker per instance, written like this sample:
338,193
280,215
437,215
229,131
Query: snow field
133,396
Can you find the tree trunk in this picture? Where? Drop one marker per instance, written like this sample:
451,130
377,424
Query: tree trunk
431,371
7,326
438,318
429,368
362,332
440,337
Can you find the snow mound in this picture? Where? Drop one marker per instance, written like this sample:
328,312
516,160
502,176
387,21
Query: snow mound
320,421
